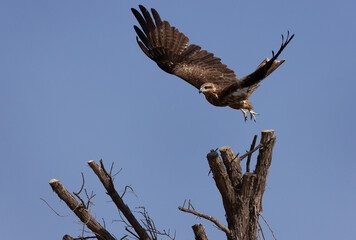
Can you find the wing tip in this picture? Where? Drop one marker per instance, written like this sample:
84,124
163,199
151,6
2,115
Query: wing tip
142,8
134,11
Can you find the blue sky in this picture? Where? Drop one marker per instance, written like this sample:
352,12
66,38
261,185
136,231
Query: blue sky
75,87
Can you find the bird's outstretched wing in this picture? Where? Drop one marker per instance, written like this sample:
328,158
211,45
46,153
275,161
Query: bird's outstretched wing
262,71
170,49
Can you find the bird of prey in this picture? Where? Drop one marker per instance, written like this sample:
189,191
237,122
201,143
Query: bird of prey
170,49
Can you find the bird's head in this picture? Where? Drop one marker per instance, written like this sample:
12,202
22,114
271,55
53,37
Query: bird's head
207,88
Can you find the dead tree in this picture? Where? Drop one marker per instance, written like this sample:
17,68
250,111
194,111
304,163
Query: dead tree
241,197
241,193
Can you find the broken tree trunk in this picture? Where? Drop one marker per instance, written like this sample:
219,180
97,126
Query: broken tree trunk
241,193
199,232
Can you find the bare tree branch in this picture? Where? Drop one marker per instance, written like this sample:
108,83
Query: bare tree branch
80,210
207,217
106,180
250,152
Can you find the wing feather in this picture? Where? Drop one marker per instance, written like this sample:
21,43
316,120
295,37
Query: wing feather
190,50
140,20
148,19
143,48
142,36
156,16
170,49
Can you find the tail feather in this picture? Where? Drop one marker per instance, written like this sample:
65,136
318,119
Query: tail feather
273,67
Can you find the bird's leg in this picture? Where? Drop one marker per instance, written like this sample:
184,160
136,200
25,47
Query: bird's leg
252,114
244,113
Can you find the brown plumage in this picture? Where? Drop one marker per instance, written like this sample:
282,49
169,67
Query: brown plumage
170,49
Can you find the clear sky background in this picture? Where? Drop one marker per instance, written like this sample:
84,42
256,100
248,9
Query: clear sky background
74,86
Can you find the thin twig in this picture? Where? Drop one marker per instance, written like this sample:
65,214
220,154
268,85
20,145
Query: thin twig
168,234
259,146
250,152
112,166
127,186
190,205
147,222
82,185
59,215
268,226
261,230
150,225
92,195
77,194
83,231
117,172
184,202
258,232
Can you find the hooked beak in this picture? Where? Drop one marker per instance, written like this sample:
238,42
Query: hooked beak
200,90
